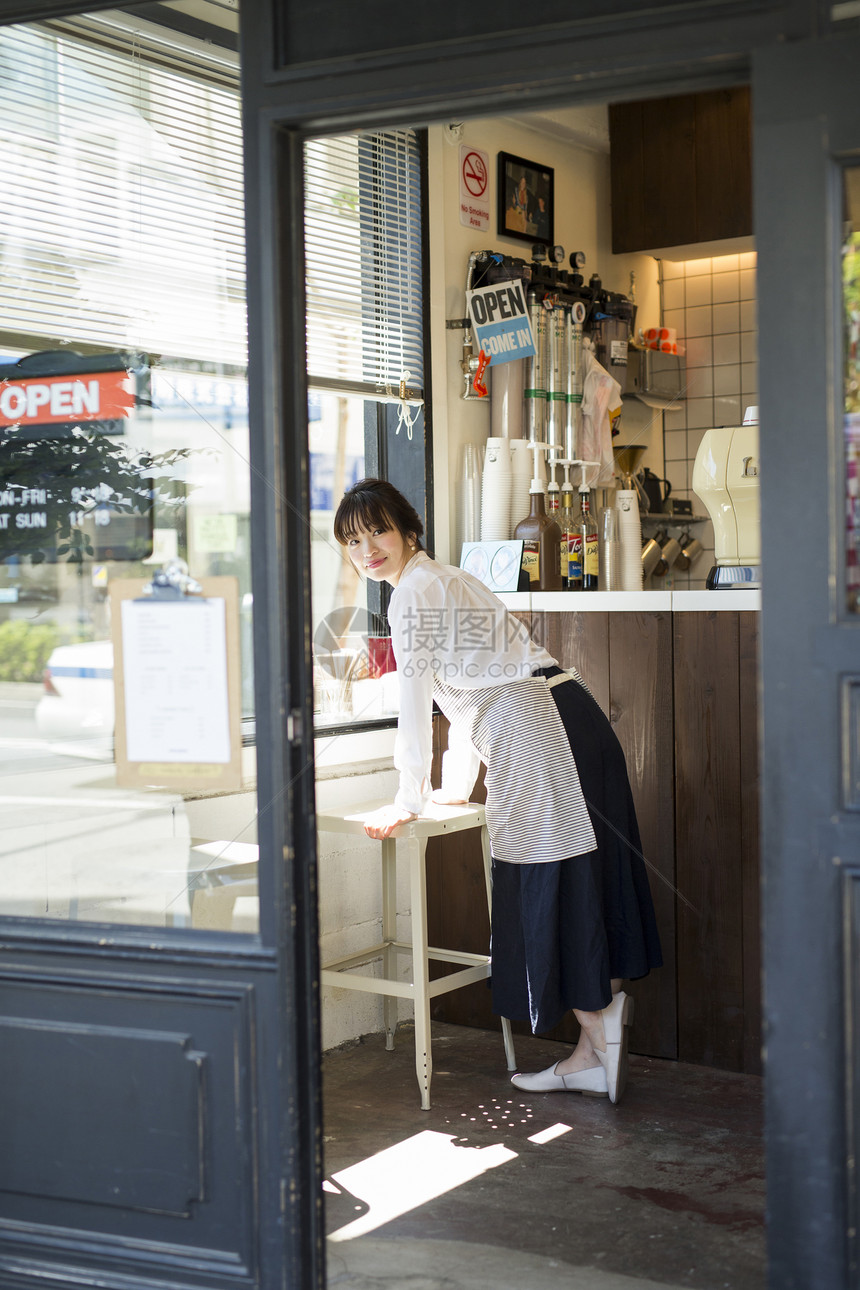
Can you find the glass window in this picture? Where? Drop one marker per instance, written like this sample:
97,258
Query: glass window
364,267
851,382
123,446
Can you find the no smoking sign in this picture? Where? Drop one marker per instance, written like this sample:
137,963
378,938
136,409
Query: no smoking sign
474,187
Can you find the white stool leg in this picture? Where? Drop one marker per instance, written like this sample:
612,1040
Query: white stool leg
507,1036
420,971
389,935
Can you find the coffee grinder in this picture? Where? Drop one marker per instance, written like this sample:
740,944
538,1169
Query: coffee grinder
726,479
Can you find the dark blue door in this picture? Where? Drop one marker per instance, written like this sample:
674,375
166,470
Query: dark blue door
158,1032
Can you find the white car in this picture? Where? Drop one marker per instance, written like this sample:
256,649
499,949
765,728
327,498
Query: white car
77,708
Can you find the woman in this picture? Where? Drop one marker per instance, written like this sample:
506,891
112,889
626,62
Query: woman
572,911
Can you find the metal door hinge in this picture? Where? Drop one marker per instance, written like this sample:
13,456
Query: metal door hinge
294,726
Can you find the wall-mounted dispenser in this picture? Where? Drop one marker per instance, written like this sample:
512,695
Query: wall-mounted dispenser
657,379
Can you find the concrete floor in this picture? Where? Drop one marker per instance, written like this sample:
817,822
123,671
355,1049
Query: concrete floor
494,1187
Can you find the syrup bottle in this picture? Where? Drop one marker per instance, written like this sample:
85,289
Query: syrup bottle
587,529
541,538
552,492
571,550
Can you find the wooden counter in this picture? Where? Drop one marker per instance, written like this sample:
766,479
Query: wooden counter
680,691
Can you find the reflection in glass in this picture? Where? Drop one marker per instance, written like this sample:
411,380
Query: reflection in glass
123,444
365,364
851,347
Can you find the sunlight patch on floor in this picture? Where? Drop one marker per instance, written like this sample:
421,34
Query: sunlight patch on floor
547,1135
409,1174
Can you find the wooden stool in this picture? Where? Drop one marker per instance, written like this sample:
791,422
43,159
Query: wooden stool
476,967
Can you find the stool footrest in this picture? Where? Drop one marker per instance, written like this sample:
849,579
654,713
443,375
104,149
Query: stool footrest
355,960
466,957
406,989
456,956
402,947
369,984
467,976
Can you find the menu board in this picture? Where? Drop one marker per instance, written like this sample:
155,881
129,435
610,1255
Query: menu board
177,709
177,683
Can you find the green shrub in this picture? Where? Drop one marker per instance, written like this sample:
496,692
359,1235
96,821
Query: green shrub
25,649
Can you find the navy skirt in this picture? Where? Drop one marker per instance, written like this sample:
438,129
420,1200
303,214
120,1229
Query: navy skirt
561,931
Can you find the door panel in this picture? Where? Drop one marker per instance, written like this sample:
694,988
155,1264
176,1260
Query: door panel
143,1074
143,1069
806,129
159,1037
133,1129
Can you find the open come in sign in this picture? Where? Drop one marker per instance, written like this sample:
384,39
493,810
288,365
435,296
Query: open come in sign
500,320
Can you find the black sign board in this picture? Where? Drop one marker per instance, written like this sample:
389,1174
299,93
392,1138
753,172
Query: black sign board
68,489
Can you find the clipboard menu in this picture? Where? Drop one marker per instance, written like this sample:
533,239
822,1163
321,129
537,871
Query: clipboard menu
177,687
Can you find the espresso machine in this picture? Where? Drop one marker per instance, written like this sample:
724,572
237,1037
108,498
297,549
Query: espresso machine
726,479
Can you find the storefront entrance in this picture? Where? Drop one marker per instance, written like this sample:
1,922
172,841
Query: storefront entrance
162,1078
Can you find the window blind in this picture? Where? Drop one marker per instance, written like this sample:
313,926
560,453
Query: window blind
363,264
121,214
121,211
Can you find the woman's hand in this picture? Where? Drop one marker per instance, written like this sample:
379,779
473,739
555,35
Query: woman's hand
445,799
382,823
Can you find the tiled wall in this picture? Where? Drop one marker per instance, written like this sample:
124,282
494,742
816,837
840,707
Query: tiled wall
712,305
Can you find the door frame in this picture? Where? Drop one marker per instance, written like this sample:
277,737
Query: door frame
608,57
808,121
686,47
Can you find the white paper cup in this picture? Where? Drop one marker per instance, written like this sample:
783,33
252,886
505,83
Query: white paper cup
496,508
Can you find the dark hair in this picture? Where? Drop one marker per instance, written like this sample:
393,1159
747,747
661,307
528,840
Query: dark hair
376,504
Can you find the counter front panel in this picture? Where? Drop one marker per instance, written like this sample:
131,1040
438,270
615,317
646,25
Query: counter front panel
680,691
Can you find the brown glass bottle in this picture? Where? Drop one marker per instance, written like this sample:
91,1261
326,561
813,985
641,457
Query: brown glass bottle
541,538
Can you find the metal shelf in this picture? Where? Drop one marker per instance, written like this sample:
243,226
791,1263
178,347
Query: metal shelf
671,521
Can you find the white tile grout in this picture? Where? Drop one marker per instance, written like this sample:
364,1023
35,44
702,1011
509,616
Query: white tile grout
712,303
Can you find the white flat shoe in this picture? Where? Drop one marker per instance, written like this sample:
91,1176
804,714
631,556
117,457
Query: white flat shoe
616,1019
591,1082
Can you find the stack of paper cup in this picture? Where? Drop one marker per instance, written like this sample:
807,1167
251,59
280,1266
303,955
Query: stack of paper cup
630,537
522,465
468,518
496,484
506,399
609,551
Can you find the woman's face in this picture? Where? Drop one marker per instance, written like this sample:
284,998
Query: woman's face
381,554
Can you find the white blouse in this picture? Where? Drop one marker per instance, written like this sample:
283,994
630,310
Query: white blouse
453,639
447,624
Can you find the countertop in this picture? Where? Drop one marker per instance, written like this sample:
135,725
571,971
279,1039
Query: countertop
638,602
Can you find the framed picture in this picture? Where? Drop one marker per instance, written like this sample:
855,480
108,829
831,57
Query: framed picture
525,200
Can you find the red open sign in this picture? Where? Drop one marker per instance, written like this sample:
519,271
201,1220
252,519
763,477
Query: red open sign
48,400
